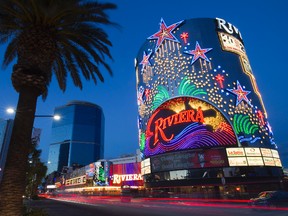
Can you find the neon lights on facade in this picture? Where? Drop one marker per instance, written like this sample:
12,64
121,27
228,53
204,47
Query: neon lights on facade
219,77
198,52
117,179
164,33
187,123
184,36
240,93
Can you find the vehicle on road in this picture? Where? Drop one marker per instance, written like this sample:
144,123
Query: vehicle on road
271,199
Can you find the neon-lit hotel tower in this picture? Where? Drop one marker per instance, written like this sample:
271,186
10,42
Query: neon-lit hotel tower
201,115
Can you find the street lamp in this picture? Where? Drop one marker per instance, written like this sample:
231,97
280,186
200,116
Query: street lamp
55,117
10,110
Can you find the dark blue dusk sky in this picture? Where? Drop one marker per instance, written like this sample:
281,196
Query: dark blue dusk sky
263,25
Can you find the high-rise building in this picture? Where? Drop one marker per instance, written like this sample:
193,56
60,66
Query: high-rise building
202,120
5,134
78,138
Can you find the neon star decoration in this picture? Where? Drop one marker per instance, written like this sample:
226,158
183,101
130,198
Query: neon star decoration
198,53
240,93
220,79
145,61
184,36
164,33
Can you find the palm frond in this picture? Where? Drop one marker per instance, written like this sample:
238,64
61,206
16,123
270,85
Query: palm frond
10,53
68,33
60,72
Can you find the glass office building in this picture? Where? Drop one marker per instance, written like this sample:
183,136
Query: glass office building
78,138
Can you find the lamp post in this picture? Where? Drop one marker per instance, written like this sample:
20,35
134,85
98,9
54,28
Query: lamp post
55,117
36,136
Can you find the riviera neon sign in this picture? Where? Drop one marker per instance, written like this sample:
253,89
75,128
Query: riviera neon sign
178,118
117,179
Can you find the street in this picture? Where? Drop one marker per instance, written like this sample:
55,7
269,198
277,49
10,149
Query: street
90,206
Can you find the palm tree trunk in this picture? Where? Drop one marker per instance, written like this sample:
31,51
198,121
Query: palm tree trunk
13,183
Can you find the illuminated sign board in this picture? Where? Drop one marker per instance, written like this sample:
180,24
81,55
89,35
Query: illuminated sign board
237,161
231,43
189,160
117,179
235,152
126,174
76,181
275,153
145,162
146,170
99,172
277,162
253,156
252,152
187,123
266,152
145,166
268,161
255,161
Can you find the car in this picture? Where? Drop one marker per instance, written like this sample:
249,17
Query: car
270,199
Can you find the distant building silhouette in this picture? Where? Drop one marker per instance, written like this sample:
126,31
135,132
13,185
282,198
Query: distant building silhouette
78,138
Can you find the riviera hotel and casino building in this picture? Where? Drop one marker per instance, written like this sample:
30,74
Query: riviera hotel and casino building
202,122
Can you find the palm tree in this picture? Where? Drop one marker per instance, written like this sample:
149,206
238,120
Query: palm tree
46,37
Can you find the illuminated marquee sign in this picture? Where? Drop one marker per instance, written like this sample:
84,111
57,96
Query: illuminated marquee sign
252,152
145,166
128,174
277,162
266,152
268,161
275,153
187,123
255,161
189,160
237,161
247,156
76,181
178,118
231,44
235,152
117,179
